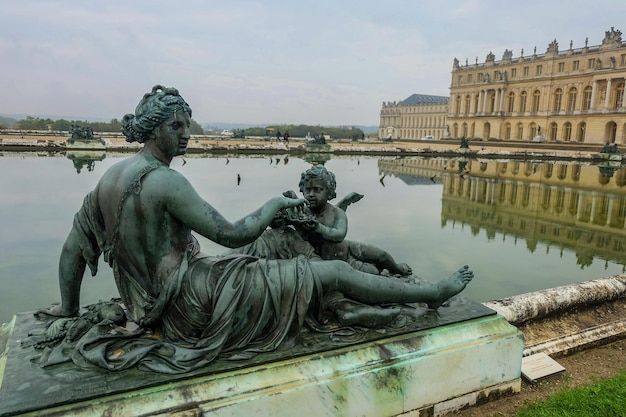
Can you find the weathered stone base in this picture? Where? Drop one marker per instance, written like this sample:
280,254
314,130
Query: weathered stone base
424,373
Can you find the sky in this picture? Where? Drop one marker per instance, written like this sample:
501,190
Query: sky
326,62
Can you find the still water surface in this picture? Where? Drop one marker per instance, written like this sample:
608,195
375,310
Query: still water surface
434,220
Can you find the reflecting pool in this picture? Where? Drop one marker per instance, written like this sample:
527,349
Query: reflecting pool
521,226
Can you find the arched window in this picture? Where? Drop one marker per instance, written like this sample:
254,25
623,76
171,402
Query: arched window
536,97
520,131
507,130
553,131
580,134
567,132
492,102
587,98
571,99
458,105
522,101
476,104
511,102
468,101
558,96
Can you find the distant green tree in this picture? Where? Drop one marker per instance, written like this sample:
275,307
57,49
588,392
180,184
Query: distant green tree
195,128
61,124
116,125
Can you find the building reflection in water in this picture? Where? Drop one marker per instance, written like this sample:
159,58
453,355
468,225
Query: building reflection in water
563,205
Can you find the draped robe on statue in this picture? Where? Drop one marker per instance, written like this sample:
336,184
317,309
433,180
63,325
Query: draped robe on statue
231,306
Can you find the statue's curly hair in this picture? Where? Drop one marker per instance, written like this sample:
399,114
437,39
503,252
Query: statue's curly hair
320,172
154,108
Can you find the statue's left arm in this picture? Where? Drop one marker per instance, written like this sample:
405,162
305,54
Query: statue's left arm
183,202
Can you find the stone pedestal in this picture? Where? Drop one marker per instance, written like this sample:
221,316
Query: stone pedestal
422,373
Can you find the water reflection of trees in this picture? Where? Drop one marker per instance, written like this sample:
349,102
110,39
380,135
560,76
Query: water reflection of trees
562,205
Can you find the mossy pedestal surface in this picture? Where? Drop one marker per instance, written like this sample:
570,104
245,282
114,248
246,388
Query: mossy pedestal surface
457,356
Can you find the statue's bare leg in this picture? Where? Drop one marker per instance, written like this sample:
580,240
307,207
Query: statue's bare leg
372,316
376,289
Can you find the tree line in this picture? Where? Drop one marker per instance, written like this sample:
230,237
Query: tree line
115,126
301,131
62,125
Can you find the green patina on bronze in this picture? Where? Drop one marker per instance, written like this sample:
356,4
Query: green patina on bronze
186,309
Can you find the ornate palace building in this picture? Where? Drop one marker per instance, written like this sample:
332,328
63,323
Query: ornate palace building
414,118
571,95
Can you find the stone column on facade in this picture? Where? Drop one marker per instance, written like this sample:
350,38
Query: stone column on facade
594,90
496,101
607,99
480,102
501,105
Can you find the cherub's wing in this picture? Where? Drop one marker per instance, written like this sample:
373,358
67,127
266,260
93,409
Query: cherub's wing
349,199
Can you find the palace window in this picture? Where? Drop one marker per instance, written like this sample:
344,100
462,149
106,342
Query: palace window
622,60
469,78
525,71
492,102
460,80
571,99
536,98
507,131
576,65
520,131
587,98
539,70
553,131
457,108
511,102
580,134
558,95
480,77
561,66
619,95
567,132
514,72
522,101
591,63
468,101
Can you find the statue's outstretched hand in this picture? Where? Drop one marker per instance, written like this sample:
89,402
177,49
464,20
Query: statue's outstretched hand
55,310
289,202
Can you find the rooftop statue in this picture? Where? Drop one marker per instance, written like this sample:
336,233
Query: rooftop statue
185,308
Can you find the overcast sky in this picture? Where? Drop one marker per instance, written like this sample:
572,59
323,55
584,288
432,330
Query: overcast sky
327,62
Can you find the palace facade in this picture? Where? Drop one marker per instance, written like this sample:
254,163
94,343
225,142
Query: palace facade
418,116
571,95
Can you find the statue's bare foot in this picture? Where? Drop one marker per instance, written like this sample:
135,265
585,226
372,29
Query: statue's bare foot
451,286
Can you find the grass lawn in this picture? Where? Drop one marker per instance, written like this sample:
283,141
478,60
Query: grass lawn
605,398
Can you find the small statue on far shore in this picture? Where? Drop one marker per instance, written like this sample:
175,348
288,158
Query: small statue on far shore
610,148
464,143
